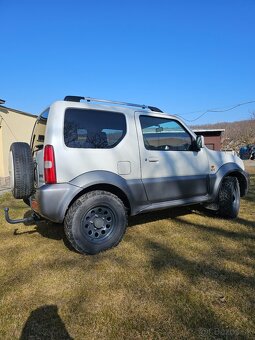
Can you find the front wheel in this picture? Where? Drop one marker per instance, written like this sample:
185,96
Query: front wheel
95,222
229,198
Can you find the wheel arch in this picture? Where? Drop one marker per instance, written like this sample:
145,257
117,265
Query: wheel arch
241,180
231,170
106,187
56,199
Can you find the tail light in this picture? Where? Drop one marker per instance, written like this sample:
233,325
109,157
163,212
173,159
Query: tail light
49,165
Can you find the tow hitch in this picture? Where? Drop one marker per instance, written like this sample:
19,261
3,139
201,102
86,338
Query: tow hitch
32,218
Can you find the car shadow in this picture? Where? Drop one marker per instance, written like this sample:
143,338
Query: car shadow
47,229
55,231
159,215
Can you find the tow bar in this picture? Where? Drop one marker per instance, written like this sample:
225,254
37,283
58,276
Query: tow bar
29,219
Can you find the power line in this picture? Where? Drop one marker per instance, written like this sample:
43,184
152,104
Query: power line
8,127
217,110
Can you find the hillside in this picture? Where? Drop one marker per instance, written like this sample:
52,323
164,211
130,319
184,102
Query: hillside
236,134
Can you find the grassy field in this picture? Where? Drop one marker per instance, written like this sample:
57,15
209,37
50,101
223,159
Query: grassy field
178,274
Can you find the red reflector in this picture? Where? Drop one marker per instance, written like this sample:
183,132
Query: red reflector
49,165
34,205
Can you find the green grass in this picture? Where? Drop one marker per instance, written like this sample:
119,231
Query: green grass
178,274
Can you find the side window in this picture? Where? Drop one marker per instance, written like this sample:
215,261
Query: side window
93,129
38,135
164,134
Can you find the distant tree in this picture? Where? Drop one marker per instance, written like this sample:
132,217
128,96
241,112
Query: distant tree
236,134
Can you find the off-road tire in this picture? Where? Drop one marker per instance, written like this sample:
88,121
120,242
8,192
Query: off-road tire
86,222
229,198
21,167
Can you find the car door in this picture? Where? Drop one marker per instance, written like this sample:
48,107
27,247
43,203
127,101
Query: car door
170,168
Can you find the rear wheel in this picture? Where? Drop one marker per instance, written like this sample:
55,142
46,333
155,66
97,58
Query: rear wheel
229,198
95,222
21,168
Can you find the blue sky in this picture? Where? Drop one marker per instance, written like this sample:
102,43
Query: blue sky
181,55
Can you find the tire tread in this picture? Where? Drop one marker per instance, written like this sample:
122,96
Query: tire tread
72,210
23,167
225,197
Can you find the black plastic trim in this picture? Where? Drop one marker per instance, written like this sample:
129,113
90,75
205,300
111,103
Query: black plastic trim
76,99
227,169
155,109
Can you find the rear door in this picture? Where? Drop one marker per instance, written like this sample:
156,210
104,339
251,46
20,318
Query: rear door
37,145
170,169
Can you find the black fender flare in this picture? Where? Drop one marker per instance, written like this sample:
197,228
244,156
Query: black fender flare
55,199
132,189
229,169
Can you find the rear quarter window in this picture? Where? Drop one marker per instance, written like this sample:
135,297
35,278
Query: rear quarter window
93,129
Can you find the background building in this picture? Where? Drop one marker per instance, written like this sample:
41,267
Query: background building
213,137
15,126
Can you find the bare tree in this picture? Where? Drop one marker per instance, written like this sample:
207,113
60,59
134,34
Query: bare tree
236,134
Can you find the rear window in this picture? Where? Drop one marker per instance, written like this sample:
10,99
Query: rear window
38,135
93,129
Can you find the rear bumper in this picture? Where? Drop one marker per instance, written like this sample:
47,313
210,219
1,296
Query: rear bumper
51,201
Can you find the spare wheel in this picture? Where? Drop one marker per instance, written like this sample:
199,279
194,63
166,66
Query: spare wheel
21,169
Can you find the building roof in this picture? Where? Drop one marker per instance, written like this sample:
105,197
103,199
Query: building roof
17,111
208,130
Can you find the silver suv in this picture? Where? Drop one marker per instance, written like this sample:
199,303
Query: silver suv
91,164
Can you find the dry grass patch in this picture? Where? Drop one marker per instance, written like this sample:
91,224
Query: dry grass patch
177,274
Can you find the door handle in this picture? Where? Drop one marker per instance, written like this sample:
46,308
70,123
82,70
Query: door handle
153,160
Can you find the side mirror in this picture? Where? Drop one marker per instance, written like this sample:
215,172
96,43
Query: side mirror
200,142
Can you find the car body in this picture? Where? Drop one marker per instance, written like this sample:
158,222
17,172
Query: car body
148,159
247,152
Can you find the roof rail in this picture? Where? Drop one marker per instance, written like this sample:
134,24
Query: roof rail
89,99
